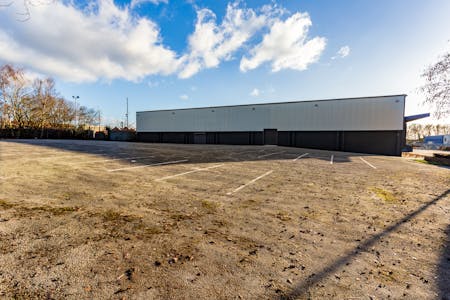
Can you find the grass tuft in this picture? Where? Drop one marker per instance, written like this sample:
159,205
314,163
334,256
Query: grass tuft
210,206
5,204
383,194
111,215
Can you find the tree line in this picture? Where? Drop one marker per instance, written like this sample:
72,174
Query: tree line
35,104
416,132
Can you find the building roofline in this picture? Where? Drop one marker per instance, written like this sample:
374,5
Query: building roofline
271,103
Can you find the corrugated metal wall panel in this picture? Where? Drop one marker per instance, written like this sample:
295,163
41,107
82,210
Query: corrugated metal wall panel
356,114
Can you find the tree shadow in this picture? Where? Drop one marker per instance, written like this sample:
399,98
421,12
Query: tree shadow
444,273
444,269
194,153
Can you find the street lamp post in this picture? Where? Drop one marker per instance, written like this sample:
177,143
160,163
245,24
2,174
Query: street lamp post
76,110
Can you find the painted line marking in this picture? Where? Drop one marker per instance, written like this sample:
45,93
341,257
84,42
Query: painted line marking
188,172
298,157
331,160
250,182
112,159
143,166
265,155
368,163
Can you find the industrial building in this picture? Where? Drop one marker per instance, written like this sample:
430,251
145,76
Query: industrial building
367,124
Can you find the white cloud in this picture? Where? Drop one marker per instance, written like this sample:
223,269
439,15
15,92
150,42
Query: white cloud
286,46
212,43
101,42
343,52
31,76
255,92
106,42
184,97
135,3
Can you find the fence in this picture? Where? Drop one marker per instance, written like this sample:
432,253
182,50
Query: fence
30,133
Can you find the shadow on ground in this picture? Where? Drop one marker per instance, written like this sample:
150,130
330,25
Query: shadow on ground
194,153
444,273
444,269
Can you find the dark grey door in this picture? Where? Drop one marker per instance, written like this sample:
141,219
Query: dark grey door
270,137
199,138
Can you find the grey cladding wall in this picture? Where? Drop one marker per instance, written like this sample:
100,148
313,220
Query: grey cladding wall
350,114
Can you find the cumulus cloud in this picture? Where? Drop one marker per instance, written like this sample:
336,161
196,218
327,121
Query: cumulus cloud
286,46
184,97
343,52
211,43
255,92
105,42
101,42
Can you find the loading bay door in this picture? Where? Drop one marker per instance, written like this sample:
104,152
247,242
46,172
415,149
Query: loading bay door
270,137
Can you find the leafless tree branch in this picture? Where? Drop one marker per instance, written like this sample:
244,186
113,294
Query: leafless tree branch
437,87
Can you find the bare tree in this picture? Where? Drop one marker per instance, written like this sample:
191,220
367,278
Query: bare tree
44,95
413,131
86,116
419,131
437,87
36,105
14,94
22,7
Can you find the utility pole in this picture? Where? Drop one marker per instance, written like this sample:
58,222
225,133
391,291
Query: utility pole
127,113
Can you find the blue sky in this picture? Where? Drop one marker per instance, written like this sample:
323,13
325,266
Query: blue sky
175,54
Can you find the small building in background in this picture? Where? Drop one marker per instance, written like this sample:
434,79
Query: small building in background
122,134
365,124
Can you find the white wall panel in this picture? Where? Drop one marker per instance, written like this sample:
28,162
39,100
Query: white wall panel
371,113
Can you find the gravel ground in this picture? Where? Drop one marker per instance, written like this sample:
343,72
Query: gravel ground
111,220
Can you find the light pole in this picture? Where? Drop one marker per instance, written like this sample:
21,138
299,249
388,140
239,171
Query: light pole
76,110
127,113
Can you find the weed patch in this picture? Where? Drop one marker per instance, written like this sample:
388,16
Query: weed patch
383,194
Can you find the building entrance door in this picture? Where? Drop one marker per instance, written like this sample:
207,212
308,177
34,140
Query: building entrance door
270,137
199,138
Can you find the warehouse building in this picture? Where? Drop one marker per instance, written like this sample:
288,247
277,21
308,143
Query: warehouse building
367,124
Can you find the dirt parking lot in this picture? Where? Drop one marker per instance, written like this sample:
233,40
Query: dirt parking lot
112,220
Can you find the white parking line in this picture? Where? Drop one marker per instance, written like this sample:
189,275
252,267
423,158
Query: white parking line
331,160
297,158
143,166
250,182
368,163
188,172
112,159
265,155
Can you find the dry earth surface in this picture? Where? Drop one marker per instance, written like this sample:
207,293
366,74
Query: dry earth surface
107,220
